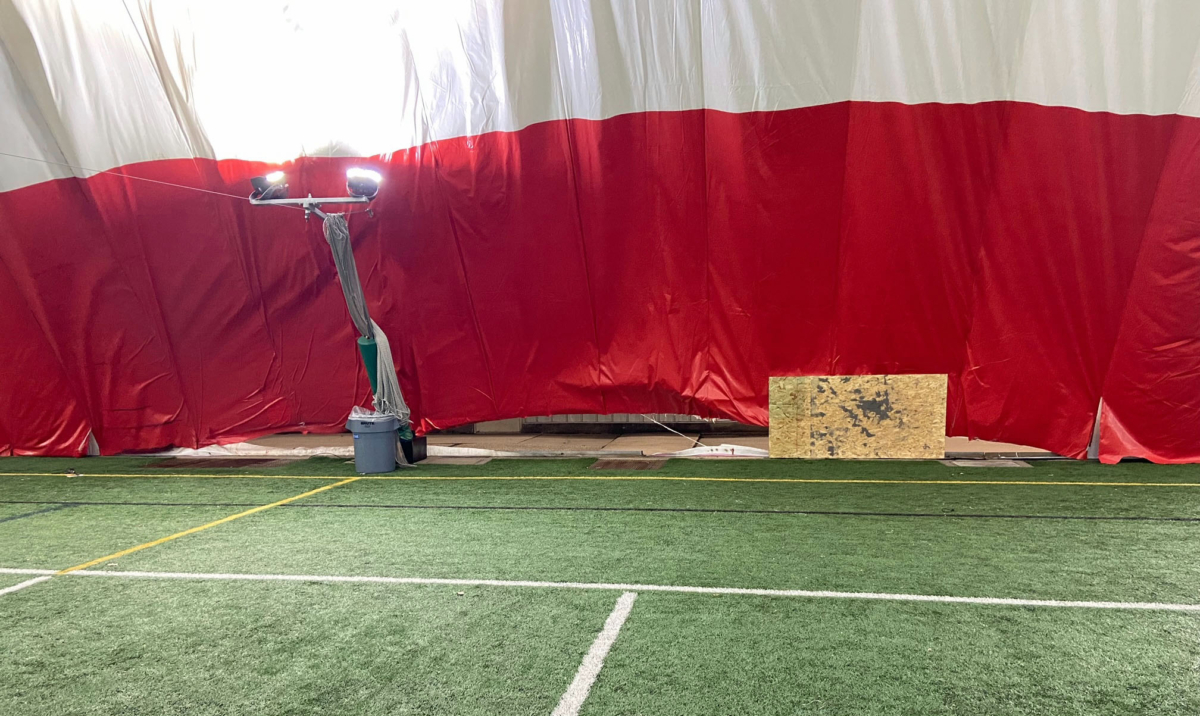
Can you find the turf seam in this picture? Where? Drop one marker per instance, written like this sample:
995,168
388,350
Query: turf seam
54,507
561,508
627,587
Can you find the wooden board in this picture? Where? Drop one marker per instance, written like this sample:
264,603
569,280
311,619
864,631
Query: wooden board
858,416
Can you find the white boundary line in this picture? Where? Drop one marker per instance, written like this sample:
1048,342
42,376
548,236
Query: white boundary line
573,698
618,587
22,585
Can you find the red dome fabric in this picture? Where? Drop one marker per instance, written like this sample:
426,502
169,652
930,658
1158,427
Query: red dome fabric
601,207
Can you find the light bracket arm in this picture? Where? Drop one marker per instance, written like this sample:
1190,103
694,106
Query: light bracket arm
311,204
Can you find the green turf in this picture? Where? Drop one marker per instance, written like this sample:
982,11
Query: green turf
96,489
1010,558
947,499
691,654
65,538
79,645
900,497
119,646
8,580
937,499
10,511
14,513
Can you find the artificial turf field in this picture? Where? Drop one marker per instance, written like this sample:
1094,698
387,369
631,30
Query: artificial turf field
247,616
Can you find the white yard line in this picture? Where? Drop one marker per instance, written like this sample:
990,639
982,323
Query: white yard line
572,700
617,587
22,585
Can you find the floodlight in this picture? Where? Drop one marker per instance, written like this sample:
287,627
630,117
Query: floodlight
272,190
267,187
363,182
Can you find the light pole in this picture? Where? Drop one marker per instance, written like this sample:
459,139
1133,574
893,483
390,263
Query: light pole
361,186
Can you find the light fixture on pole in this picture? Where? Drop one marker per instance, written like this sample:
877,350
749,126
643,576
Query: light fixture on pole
363,182
269,187
362,185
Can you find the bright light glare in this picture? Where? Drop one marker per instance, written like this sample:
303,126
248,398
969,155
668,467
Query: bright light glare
360,173
274,177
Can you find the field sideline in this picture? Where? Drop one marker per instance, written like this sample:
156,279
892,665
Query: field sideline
541,586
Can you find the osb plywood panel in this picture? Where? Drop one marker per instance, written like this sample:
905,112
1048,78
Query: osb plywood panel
858,416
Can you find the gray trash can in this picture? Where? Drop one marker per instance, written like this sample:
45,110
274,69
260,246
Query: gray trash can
374,443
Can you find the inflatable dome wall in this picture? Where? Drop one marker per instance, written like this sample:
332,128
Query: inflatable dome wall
600,207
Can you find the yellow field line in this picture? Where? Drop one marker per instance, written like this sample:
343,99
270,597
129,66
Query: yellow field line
850,481
201,528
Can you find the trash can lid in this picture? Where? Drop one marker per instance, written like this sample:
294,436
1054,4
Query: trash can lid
386,423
